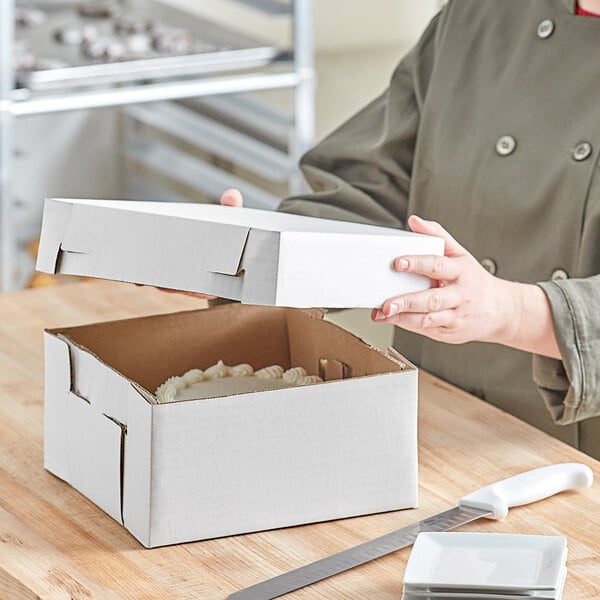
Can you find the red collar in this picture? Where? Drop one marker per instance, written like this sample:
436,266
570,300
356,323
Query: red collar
585,13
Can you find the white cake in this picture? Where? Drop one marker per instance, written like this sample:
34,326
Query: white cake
221,380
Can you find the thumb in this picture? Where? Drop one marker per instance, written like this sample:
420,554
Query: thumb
232,197
451,246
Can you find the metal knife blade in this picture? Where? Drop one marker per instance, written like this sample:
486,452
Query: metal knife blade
492,501
357,555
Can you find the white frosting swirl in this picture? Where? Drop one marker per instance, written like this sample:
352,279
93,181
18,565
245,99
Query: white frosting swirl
272,372
242,370
292,375
175,382
218,370
168,390
193,376
309,379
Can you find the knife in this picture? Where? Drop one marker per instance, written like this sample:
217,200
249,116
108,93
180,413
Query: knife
492,502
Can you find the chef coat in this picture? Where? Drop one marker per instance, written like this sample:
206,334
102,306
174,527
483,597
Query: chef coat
491,126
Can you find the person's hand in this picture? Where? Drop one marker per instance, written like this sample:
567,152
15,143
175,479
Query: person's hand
230,197
465,302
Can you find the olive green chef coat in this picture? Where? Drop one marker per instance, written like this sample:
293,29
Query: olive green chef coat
491,126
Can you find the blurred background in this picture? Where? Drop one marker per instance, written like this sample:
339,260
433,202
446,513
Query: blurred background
177,100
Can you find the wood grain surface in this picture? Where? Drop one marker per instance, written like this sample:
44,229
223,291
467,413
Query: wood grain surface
54,543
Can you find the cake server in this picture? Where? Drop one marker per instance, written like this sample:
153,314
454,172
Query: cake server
492,502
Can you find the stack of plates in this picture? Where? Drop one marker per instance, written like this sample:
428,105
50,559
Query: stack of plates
486,566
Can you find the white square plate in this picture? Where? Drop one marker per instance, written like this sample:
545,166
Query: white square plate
473,595
485,562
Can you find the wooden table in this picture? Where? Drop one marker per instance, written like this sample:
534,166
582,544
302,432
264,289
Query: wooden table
54,543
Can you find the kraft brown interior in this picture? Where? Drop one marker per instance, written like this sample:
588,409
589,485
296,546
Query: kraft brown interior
148,350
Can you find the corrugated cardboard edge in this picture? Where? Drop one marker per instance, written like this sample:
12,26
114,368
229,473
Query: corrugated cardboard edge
58,333
54,225
259,268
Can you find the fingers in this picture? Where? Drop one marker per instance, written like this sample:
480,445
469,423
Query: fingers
419,322
419,225
434,267
430,301
232,197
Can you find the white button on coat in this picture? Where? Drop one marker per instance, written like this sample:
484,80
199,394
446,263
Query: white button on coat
506,145
581,151
558,274
545,29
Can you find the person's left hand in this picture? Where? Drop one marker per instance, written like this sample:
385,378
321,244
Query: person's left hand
465,302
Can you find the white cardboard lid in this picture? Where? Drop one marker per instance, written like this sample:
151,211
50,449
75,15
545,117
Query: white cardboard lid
254,256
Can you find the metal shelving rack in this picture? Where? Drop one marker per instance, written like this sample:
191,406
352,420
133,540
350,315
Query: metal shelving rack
150,101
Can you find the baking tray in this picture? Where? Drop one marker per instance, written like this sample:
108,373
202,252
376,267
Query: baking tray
215,48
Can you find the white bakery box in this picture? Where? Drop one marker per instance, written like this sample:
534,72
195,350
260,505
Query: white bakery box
197,469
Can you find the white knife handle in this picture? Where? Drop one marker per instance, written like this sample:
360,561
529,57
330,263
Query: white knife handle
528,487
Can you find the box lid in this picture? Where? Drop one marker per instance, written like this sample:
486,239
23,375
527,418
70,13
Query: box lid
254,256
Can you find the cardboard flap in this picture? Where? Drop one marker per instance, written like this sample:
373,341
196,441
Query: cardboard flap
81,445
77,238
215,248
95,445
229,260
57,385
230,240
55,222
145,394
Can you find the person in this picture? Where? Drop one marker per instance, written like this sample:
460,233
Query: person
490,127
